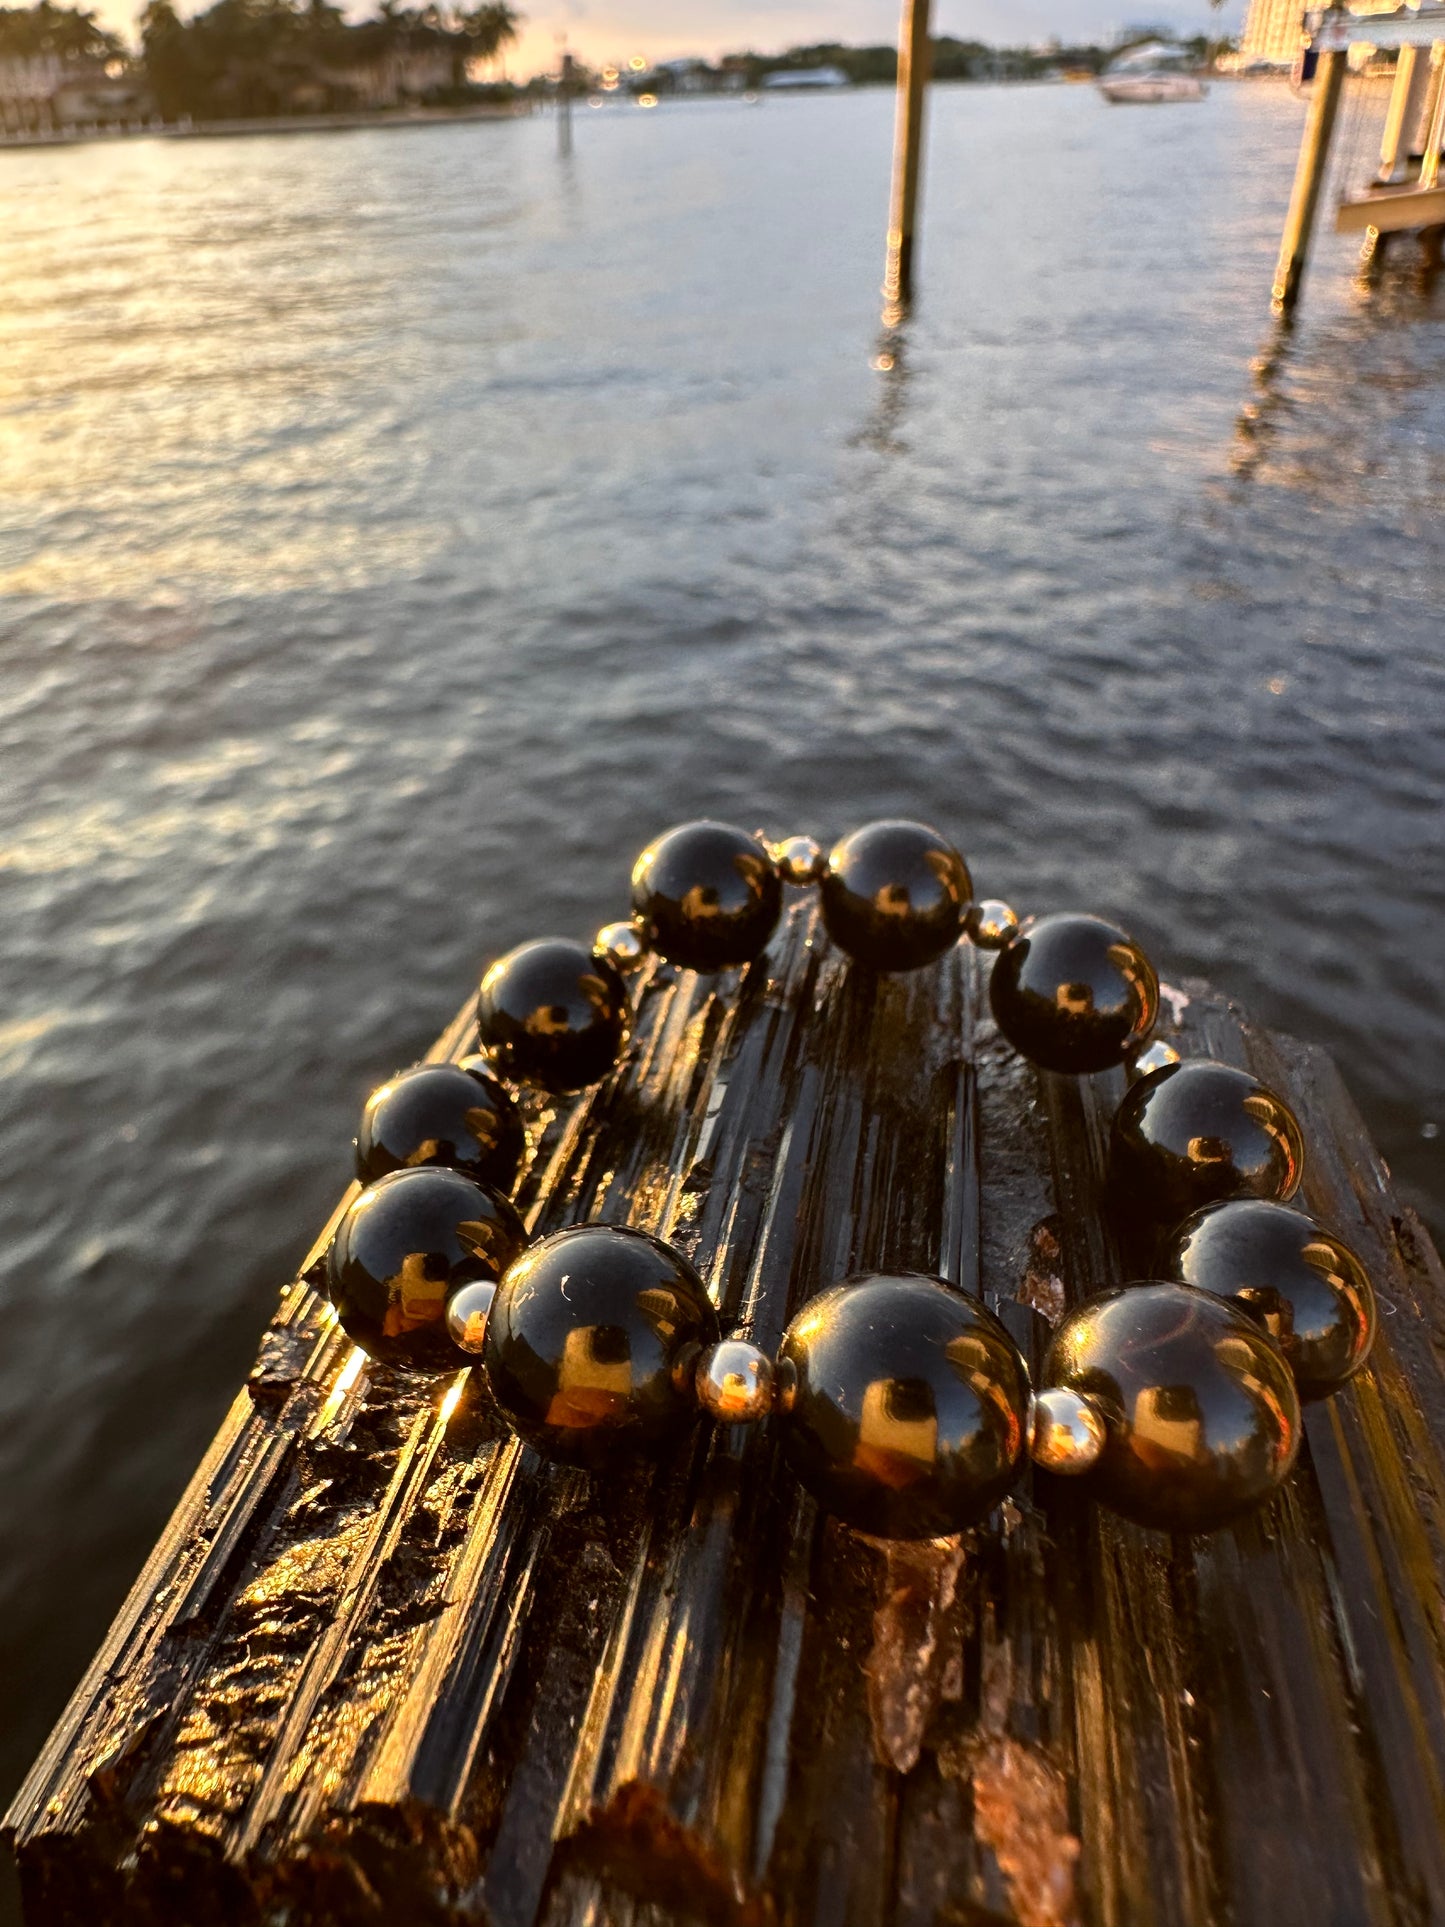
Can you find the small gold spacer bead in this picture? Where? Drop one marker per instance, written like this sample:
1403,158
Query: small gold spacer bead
734,1382
468,1312
990,923
1150,1055
1066,1432
621,944
799,859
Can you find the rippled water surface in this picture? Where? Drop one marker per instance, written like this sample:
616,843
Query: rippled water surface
399,526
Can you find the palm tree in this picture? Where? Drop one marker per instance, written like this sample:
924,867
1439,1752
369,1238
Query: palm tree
481,32
70,33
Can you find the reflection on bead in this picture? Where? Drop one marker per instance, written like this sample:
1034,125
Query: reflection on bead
403,1247
990,923
583,1337
707,895
551,1013
1066,1433
451,1114
1197,1131
1073,993
467,1314
1201,1415
894,894
1152,1055
799,859
735,1382
904,1404
1304,1285
621,944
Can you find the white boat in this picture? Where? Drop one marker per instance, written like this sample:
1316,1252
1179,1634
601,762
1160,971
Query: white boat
1154,72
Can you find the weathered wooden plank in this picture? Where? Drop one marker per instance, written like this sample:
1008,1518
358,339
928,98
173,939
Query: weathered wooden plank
386,1663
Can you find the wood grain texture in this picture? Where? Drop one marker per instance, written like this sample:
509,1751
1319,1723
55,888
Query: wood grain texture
387,1665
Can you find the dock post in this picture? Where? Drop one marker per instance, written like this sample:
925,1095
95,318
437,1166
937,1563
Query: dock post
564,107
1435,125
1309,173
1403,94
914,62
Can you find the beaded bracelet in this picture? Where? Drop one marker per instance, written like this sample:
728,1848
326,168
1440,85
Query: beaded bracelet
905,1406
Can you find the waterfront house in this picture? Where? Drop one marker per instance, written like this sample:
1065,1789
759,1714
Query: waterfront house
43,93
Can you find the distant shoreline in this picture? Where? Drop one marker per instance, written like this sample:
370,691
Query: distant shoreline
271,124
519,109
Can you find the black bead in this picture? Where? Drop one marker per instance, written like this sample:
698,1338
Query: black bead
707,895
904,1405
592,1340
552,1013
1197,1131
449,1114
1073,993
403,1246
894,895
1303,1284
1200,1410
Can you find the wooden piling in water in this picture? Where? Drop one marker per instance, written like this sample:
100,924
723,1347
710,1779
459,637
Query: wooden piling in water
1402,114
1309,174
914,65
1435,124
566,83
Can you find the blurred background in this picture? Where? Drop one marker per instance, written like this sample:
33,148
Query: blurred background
403,526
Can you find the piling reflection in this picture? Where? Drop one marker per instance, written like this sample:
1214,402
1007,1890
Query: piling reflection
1259,417
1298,375
881,431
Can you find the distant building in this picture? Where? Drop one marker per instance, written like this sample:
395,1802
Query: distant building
44,92
686,76
27,82
394,77
1142,30
89,93
1274,30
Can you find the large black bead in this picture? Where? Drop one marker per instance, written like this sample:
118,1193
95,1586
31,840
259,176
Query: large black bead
707,895
1073,993
441,1114
403,1246
592,1339
1200,1410
1303,1284
894,895
1193,1132
904,1405
554,1014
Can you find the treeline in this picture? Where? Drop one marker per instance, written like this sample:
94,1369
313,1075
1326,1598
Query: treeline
869,66
47,32
252,58
256,58
245,59
952,60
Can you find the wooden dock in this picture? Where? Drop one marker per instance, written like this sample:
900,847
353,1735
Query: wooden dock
1402,193
387,1665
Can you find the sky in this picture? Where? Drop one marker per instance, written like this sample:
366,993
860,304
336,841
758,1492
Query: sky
602,30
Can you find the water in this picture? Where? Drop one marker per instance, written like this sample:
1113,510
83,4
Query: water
402,526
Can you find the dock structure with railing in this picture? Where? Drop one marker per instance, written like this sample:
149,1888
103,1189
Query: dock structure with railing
1392,162
1406,191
